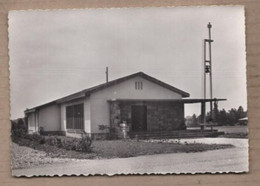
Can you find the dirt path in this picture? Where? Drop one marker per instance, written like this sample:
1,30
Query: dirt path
25,157
224,160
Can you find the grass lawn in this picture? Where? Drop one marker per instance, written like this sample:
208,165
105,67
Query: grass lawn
121,149
230,131
233,129
131,148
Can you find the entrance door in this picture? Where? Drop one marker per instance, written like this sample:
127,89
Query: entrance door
139,121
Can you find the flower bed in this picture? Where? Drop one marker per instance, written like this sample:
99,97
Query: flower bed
78,144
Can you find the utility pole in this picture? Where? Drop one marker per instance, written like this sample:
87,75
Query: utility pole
107,74
208,68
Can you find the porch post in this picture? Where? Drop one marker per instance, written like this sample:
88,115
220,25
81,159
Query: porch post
203,115
115,115
115,119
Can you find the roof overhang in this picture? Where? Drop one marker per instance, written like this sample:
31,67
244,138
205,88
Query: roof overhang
28,111
71,98
168,100
203,100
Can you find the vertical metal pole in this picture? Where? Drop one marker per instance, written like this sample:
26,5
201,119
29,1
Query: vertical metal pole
35,121
204,69
210,72
203,108
203,115
106,74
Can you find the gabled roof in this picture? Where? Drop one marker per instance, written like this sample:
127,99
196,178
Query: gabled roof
89,91
119,80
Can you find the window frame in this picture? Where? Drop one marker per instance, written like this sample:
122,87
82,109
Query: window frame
71,112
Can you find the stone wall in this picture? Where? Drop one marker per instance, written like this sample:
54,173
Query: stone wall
115,114
115,120
165,116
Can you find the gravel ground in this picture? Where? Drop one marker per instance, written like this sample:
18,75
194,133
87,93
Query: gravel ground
25,157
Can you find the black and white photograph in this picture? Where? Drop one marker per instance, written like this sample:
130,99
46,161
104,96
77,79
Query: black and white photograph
109,91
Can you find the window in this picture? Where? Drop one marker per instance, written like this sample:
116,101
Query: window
30,120
138,85
75,117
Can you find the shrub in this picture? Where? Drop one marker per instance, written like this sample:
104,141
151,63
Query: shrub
183,126
18,129
52,140
41,131
42,141
84,144
113,131
68,143
79,144
34,137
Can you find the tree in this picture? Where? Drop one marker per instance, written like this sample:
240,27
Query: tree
19,128
194,120
222,117
241,113
191,121
231,117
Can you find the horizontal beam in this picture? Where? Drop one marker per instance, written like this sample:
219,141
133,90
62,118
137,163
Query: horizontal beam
208,40
168,100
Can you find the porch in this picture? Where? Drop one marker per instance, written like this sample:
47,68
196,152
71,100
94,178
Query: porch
147,115
158,118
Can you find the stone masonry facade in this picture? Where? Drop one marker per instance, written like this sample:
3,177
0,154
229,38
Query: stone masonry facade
161,115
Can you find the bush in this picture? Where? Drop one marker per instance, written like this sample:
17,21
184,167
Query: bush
79,144
18,129
183,126
42,141
68,143
34,137
52,140
113,131
41,131
84,144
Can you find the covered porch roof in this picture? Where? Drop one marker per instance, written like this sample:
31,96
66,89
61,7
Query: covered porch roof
184,101
188,101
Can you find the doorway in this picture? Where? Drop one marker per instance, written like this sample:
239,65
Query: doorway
139,118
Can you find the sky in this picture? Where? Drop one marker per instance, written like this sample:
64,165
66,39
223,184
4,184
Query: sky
59,52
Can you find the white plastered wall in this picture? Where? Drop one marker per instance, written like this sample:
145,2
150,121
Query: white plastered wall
49,118
87,122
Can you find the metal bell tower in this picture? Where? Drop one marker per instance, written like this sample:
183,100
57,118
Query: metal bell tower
208,67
